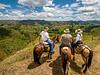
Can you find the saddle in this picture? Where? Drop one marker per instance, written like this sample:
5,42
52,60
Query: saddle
46,47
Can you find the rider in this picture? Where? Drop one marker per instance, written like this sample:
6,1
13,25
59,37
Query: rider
44,36
78,37
66,39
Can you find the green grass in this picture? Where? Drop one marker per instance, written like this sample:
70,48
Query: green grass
15,38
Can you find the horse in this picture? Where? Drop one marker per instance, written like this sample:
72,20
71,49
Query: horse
57,38
39,49
66,57
86,53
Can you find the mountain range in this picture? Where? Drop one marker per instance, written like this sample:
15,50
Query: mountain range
43,22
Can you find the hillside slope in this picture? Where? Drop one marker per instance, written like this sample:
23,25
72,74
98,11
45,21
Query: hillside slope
25,65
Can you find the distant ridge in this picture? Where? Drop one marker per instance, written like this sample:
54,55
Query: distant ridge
42,22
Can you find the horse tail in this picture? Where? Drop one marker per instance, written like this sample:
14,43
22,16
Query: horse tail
90,58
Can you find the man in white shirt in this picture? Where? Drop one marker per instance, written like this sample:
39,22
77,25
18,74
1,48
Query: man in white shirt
46,39
79,35
78,38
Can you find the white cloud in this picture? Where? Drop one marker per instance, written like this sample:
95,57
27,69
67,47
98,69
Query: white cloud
3,6
48,8
49,3
17,13
1,14
50,11
89,2
33,3
66,5
86,9
74,5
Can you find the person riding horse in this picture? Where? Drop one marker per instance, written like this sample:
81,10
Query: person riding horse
44,37
66,40
78,38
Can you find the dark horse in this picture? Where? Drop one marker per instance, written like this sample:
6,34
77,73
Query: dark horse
39,49
66,56
86,53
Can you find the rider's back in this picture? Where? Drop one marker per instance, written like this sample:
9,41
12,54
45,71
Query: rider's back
66,39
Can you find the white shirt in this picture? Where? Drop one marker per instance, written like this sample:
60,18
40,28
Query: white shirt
78,37
44,36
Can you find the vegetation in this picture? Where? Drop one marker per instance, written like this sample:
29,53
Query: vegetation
16,37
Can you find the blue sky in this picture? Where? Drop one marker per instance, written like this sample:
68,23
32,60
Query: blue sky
59,10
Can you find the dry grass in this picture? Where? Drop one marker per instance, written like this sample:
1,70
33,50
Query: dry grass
21,63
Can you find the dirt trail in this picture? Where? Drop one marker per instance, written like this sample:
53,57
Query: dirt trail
27,67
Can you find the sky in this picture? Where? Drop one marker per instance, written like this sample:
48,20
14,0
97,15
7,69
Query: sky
50,10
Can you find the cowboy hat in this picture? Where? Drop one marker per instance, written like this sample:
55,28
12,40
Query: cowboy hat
46,28
66,31
78,31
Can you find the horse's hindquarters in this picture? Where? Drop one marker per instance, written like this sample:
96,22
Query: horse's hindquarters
46,48
86,52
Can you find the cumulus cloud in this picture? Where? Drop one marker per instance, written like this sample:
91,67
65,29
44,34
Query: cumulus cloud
86,9
81,10
33,3
75,5
17,13
89,10
48,8
3,6
89,2
1,13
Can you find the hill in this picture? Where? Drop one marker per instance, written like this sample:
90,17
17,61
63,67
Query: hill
43,22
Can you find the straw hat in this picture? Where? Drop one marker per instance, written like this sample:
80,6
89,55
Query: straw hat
78,31
66,31
46,28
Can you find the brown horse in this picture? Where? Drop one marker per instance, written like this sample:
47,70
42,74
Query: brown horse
57,38
86,53
39,49
66,57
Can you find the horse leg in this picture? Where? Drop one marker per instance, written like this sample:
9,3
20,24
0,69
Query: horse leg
74,57
88,61
68,65
64,67
38,60
35,57
73,53
86,66
50,55
64,63
83,65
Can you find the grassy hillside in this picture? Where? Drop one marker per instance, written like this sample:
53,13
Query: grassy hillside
16,37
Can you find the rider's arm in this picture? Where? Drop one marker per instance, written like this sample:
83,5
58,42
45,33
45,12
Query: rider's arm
77,38
47,36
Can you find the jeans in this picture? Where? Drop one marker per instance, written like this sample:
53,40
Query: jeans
51,44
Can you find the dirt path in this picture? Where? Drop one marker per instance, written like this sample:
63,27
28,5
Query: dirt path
27,67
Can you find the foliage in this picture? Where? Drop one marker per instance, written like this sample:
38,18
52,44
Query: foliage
14,38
